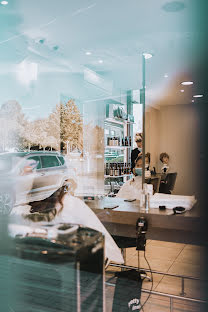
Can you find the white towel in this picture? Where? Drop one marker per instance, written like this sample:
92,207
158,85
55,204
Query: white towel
171,201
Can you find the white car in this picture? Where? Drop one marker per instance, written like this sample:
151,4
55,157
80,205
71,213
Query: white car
30,176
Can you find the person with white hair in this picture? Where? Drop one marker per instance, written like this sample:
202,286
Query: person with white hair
62,207
137,151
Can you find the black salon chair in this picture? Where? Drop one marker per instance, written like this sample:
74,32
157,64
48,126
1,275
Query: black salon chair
128,242
167,184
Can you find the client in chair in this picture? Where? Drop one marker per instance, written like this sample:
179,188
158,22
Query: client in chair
133,187
63,207
164,158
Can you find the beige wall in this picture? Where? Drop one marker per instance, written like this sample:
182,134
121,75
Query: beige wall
174,129
152,134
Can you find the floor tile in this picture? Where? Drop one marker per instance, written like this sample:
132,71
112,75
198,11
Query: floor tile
148,284
190,256
163,253
186,269
112,268
155,264
167,244
200,249
172,285
182,306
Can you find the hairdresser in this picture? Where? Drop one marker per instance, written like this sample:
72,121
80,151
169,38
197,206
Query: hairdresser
137,151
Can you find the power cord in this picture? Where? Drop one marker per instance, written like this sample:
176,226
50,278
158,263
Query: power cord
151,280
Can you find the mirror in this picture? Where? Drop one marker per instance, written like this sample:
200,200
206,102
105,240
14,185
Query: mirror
171,137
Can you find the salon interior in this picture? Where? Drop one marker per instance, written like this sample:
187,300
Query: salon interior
102,106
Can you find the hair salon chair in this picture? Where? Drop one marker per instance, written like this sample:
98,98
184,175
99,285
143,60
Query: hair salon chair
168,183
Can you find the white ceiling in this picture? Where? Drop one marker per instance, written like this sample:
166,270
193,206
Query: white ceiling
115,31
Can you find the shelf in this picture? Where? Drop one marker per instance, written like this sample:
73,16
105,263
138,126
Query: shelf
118,121
117,147
121,176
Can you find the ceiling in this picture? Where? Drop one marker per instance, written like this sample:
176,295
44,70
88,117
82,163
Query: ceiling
57,34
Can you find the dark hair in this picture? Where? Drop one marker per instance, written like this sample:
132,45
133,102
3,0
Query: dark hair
45,210
148,156
162,155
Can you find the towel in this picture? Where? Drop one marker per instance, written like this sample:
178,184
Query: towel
171,201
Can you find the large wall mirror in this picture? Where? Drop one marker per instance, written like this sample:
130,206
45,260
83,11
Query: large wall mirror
173,131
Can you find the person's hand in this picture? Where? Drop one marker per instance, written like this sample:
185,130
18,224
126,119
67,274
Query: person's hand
140,154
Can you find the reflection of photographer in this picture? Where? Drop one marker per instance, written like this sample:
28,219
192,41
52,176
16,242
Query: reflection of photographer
164,158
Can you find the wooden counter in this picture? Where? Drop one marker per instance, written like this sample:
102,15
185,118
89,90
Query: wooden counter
162,225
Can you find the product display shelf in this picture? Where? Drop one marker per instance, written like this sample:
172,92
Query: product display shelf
119,176
119,151
117,147
118,121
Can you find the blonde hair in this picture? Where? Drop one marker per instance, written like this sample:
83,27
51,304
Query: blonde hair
138,137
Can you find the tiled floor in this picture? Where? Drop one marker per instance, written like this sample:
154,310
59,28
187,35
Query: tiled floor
170,258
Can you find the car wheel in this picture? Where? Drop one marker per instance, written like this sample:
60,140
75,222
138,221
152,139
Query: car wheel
6,202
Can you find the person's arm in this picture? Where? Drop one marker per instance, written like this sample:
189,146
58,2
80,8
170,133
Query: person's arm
133,158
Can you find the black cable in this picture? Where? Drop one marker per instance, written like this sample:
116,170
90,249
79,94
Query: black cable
152,283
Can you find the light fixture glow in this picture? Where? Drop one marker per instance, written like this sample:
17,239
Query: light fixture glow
100,61
192,101
4,2
147,55
198,96
182,91
166,76
88,53
187,83
26,72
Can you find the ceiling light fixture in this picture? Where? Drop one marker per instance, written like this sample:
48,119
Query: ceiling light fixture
187,83
4,2
100,61
182,91
198,96
166,76
88,53
42,41
147,55
192,101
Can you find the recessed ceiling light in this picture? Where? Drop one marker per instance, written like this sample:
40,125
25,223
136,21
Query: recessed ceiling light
182,91
198,95
166,76
88,53
187,83
147,55
100,61
4,2
42,41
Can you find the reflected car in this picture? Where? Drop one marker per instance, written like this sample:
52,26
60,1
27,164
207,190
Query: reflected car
30,176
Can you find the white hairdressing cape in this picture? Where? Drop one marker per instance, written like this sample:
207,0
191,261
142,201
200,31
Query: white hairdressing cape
76,211
131,189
